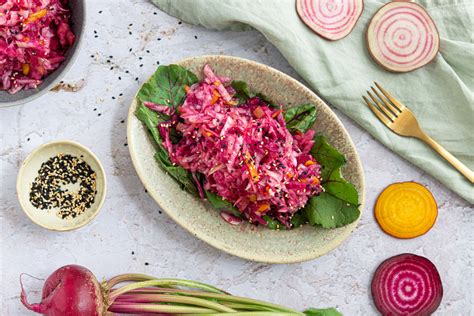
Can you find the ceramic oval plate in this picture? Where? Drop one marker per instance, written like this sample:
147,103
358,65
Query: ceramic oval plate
201,220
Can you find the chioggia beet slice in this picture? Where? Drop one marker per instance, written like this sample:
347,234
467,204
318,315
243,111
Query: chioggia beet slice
402,37
407,285
331,19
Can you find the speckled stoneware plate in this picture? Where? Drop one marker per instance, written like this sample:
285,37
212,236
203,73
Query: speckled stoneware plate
29,171
78,21
247,241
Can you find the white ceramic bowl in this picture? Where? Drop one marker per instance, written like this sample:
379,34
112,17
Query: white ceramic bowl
29,170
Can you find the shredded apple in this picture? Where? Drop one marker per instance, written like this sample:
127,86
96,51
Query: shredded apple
245,153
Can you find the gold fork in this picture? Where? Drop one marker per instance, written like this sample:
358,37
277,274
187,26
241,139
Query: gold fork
401,120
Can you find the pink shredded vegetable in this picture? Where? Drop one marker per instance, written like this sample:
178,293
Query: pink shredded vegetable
34,37
245,152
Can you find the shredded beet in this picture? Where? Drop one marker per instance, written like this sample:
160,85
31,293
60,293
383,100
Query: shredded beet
402,37
331,19
245,153
34,37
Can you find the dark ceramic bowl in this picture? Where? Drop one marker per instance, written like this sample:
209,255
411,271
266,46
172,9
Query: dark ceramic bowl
78,11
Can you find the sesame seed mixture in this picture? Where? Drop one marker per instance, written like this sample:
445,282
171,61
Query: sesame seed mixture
47,190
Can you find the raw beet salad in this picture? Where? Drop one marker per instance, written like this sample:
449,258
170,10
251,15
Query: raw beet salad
34,38
245,155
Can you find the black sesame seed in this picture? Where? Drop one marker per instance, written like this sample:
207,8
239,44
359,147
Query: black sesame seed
159,38
127,72
154,13
180,22
113,98
121,94
99,114
28,139
141,65
119,78
95,109
125,145
130,32
195,36
133,252
130,50
96,36
122,121
146,263
131,24
140,58
100,12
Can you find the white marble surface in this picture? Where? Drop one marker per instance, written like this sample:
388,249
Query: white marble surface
131,221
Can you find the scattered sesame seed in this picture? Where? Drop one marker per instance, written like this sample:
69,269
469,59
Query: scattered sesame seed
146,263
195,36
122,121
100,12
99,114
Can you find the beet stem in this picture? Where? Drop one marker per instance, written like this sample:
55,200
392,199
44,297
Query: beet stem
166,298
153,308
160,282
220,298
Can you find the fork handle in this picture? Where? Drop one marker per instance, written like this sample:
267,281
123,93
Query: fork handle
462,168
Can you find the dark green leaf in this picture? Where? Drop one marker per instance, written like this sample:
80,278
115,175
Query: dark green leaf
180,174
338,204
219,203
166,86
267,100
299,219
327,156
322,312
300,118
340,188
273,224
242,92
150,119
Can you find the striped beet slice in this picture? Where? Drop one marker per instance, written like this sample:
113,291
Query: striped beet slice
331,19
402,37
407,284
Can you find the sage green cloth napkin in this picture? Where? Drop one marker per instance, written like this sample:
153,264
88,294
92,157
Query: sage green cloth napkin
440,94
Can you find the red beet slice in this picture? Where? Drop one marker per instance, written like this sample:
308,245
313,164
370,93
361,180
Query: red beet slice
402,37
407,284
331,19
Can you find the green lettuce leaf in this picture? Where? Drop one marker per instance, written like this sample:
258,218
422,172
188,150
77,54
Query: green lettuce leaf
273,224
327,156
217,202
166,87
243,92
300,118
338,205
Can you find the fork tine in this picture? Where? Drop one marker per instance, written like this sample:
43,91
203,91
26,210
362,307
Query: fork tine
382,107
379,114
392,99
392,108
